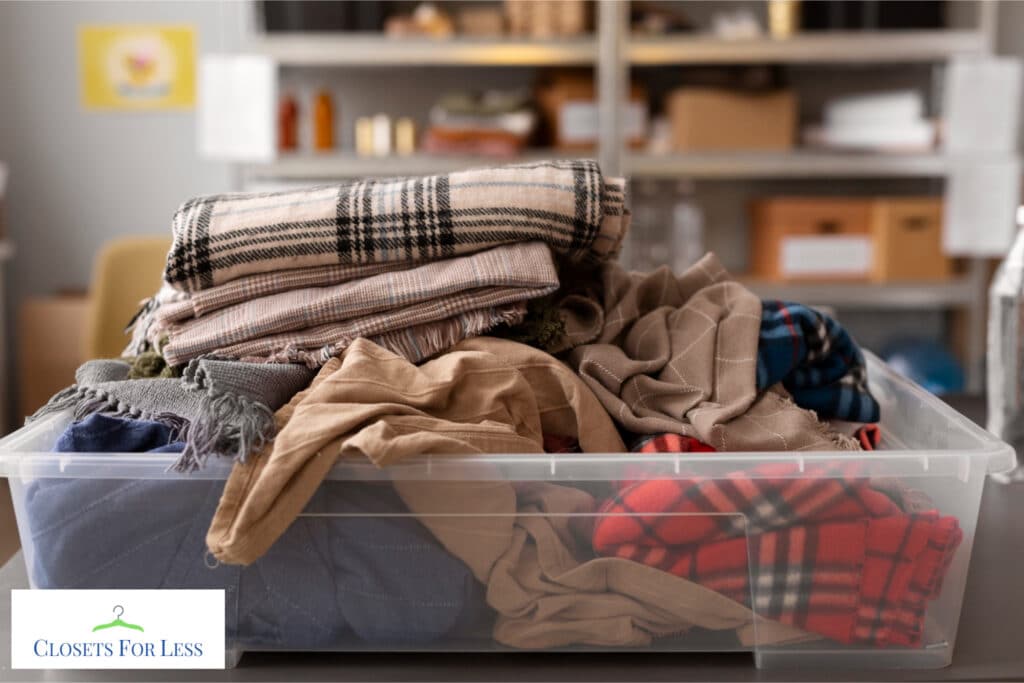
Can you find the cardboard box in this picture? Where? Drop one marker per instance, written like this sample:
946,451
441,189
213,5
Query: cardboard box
51,345
568,108
713,119
908,240
879,239
811,238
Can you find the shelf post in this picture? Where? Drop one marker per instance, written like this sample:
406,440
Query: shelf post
975,320
612,83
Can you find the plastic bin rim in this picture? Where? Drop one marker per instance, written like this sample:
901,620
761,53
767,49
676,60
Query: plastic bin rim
16,462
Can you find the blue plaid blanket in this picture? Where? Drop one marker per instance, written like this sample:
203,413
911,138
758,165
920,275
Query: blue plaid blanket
816,360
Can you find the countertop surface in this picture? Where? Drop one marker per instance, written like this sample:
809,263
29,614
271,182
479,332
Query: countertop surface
990,642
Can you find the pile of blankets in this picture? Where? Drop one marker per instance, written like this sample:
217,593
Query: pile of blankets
381,321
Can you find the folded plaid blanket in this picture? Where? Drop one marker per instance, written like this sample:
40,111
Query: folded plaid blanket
217,406
816,360
314,324
567,204
825,552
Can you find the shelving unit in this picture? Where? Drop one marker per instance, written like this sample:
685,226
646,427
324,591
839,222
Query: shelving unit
888,296
824,48
795,164
318,49
348,165
613,52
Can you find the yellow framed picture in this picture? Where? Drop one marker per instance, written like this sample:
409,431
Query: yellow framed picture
137,67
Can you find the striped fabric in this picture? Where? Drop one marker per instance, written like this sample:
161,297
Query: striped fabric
421,342
567,204
313,324
256,286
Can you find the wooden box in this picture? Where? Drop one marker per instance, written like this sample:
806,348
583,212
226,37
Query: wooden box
840,238
709,119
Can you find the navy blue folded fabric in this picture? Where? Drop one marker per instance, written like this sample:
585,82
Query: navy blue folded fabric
104,434
816,360
328,581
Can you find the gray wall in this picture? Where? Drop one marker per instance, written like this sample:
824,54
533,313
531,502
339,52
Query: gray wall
80,177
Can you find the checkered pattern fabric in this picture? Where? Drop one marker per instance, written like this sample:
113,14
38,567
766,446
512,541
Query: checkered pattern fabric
700,509
567,204
827,553
816,360
861,582
316,323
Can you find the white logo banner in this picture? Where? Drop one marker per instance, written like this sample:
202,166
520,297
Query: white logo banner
117,629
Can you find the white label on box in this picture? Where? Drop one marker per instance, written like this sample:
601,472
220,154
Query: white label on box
117,629
847,255
577,122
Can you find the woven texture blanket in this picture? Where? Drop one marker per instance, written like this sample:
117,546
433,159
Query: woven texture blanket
816,360
567,204
679,354
217,406
314,324
826,551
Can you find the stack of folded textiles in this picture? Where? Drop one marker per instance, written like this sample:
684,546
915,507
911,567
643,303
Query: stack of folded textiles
380,321
494,123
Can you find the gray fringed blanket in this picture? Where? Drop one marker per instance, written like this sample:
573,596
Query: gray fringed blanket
217,406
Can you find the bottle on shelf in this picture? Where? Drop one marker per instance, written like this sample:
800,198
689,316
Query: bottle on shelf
405,136
364,136
323,122
288,124
381,135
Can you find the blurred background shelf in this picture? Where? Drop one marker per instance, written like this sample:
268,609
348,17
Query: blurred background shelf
716,165
657,76
870,296
340,49
825,47
347,165
794,164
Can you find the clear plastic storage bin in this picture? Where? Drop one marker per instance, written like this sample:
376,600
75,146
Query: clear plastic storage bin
354,574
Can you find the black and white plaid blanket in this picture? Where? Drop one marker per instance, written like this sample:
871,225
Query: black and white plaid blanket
567,204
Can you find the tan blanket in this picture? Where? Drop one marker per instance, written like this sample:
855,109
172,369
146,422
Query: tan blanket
487,395
679,354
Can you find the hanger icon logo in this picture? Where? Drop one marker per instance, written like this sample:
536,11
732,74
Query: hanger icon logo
117,622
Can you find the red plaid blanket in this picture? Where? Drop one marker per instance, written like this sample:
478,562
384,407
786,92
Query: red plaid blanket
829,553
